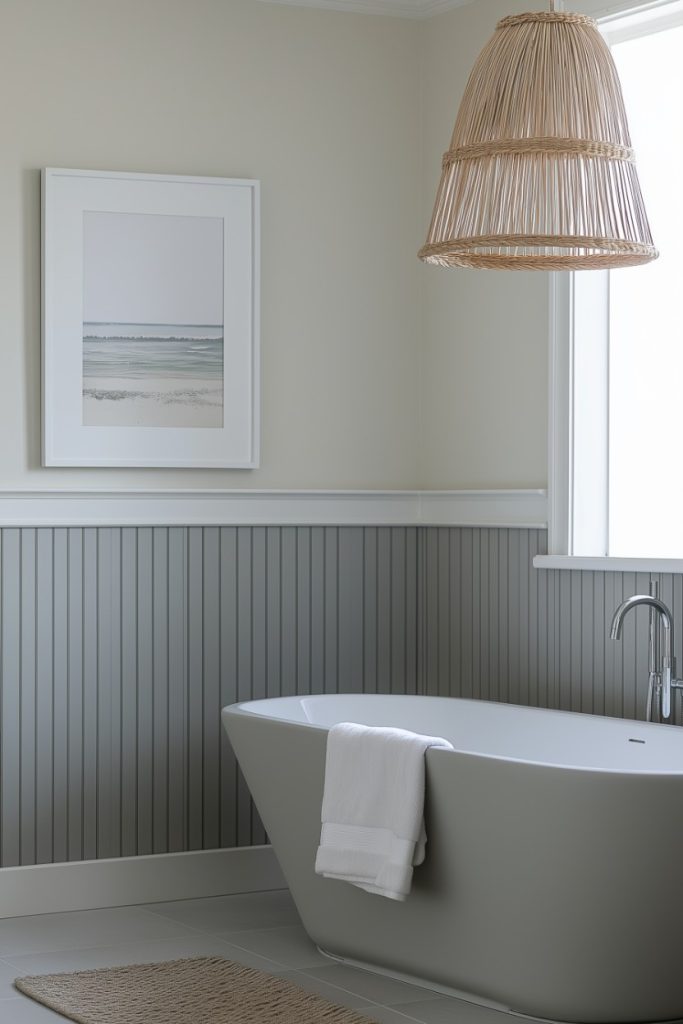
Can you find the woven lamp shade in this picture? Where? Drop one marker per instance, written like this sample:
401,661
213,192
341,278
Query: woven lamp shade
540,174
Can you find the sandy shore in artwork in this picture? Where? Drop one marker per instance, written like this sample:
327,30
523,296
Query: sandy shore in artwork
128,402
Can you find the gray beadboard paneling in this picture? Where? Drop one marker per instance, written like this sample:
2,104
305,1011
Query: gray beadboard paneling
498,629
121,645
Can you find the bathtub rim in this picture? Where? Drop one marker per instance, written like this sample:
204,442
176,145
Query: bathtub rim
242,709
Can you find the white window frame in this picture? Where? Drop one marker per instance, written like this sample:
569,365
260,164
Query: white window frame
567,531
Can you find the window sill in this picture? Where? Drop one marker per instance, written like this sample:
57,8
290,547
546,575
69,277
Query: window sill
605,564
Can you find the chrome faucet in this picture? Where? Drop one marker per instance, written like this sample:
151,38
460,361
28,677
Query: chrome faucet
662,675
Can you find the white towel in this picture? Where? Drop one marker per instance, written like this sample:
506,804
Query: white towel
373,807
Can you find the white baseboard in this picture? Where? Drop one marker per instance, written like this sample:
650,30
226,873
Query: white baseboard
125,881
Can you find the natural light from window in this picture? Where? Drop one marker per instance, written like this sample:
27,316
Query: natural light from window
645,319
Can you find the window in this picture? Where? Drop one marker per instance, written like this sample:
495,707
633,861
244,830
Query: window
617,418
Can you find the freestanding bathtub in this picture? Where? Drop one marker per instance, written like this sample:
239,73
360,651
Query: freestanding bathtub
553,884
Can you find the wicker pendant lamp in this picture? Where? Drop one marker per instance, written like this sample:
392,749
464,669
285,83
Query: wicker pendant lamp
540,174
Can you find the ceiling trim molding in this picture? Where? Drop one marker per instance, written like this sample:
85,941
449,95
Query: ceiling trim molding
415,9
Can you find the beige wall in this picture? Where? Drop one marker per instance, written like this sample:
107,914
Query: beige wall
378,372
324,109
484,366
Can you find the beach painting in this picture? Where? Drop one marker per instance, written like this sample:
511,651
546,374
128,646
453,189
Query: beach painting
153,345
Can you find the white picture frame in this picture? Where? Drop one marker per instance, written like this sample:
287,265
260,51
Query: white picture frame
150,320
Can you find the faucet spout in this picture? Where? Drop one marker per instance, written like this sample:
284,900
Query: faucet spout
667,669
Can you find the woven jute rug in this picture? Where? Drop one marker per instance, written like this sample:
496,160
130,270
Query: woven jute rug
202,990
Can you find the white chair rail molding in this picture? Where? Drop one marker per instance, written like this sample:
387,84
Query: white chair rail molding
502,508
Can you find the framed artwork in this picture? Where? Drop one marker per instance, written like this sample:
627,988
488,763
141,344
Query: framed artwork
150,320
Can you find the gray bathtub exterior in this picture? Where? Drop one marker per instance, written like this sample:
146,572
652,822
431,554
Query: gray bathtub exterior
555,892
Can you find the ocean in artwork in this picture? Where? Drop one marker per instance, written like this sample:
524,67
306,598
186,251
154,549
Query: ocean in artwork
152,375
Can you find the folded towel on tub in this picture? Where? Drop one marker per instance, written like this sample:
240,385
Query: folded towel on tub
373,807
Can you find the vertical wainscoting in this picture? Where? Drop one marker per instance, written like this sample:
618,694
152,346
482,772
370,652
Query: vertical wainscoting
485,615
498,629
120,646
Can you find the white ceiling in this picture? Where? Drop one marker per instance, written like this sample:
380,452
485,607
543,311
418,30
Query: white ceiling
402,8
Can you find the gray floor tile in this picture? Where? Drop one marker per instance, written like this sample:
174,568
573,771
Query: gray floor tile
196,944
251,959
290,946
245,911
85,928
388,1015
7,976
26,1011
457,1011
375,987
339,996
261,930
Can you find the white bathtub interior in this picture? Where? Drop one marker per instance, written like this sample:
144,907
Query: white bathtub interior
529,735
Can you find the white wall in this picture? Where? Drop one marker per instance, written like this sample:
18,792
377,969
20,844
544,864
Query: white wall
484,367
322,107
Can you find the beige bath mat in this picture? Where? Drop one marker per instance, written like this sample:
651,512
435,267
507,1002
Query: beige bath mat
204,990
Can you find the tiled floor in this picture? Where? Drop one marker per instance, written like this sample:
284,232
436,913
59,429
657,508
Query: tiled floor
258,929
